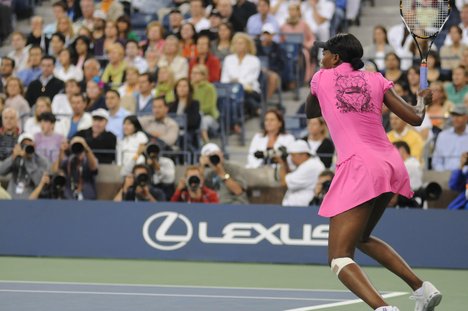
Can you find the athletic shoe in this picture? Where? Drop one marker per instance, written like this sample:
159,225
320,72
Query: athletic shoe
387,308
426,297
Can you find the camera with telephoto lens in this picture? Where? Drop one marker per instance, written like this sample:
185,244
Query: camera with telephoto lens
269,154
152,150
29,149
429,192
142,180
214,159
193,183
77,148
55,188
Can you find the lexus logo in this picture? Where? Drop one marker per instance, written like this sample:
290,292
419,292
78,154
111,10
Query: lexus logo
156,231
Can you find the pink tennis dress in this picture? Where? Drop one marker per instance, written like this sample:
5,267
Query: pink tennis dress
368,164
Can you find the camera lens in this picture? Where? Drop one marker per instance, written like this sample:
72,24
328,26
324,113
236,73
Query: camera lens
29,149
142,180
259,154
193,182
58,181
77,148
214,159
152,150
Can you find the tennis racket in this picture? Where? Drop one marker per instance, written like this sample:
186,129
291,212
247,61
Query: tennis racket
424,19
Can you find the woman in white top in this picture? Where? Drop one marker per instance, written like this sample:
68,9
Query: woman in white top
172,58
133,138
67,70
33,124
273,137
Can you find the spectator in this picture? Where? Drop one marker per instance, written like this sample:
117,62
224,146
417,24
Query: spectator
463,25
412,88
80,120
319,143
459,182
452,142
48,141
133,137
87,18
243,10
82,50
457,89
318,15
155,38
165,85
144,100
275,69
438,109
162,174
65,27
101,142
197,13
184,104
9,132
57,43
226,11
205,93
112,9
300,182
117,114
452,53
91,69
129,90
404,132
215,21
124,28
73,10
162,129
6,23
20,51
413,166
224,177
175,22
221,47
6,70
59,10
379,47
33,124
67,70
95,95
205,57
257,21
137,187
133,58
279,9
321,188
46,85
191,188
114,72
33,70
173,58
152,58
188,37
393,70
80,168
273,137
61,105
434,72
242,66
14,91
26,167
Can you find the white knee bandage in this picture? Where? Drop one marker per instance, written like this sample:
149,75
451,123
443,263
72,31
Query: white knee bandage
339,263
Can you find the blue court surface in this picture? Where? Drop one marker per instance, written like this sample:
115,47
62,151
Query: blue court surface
51,296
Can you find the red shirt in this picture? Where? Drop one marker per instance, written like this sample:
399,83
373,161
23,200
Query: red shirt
212,63
208,196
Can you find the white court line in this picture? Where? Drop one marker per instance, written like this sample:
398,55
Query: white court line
161,295
344,303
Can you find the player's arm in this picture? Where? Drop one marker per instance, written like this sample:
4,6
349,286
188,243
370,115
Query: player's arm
312,107
413,115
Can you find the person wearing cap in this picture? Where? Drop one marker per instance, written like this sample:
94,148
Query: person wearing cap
48,141
9,132
300,182
256,21
101,142
225,177
26,168
369,170
452,142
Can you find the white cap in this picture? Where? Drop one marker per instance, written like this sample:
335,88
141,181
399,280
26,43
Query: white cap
268,28
100,113
25,136
209,149
299,146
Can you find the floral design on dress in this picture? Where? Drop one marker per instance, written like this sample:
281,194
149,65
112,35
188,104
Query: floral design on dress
353,93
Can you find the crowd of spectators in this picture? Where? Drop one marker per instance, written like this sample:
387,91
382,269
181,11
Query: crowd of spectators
90,88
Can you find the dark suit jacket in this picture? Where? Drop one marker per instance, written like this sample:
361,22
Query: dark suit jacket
192,112
105,142
51,89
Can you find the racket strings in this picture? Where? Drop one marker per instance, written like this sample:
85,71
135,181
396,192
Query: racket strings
425,18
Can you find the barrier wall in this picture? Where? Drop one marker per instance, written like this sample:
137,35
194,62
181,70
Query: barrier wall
253,233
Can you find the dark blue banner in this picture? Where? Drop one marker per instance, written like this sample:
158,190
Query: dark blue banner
251,233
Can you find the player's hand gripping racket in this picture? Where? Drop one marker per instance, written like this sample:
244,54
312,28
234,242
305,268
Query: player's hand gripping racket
424,19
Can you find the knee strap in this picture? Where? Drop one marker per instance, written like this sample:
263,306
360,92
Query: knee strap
339,263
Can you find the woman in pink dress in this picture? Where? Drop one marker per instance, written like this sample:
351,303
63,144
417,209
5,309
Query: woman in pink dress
369,170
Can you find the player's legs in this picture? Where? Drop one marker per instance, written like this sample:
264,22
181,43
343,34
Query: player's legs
346,231
381,251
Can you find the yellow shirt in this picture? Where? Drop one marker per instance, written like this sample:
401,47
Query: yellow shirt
412,138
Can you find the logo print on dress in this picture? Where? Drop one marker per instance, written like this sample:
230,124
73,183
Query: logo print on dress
353,94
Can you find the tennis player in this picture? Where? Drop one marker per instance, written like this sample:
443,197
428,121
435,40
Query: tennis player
369,170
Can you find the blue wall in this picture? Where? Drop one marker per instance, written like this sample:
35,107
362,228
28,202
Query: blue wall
251,233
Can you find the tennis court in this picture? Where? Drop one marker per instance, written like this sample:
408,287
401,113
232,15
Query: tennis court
52,284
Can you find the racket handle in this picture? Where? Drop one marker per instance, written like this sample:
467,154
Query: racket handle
423,76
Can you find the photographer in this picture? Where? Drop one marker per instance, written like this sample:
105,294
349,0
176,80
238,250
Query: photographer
192,190
300,182
459,182
50,187
80,166
323,184
26,167
224,177
137,187
162,169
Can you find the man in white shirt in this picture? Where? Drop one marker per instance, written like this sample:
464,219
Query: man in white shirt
117,114
318,14
197,13
300,182
133,58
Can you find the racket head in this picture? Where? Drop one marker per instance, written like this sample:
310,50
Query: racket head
424,18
